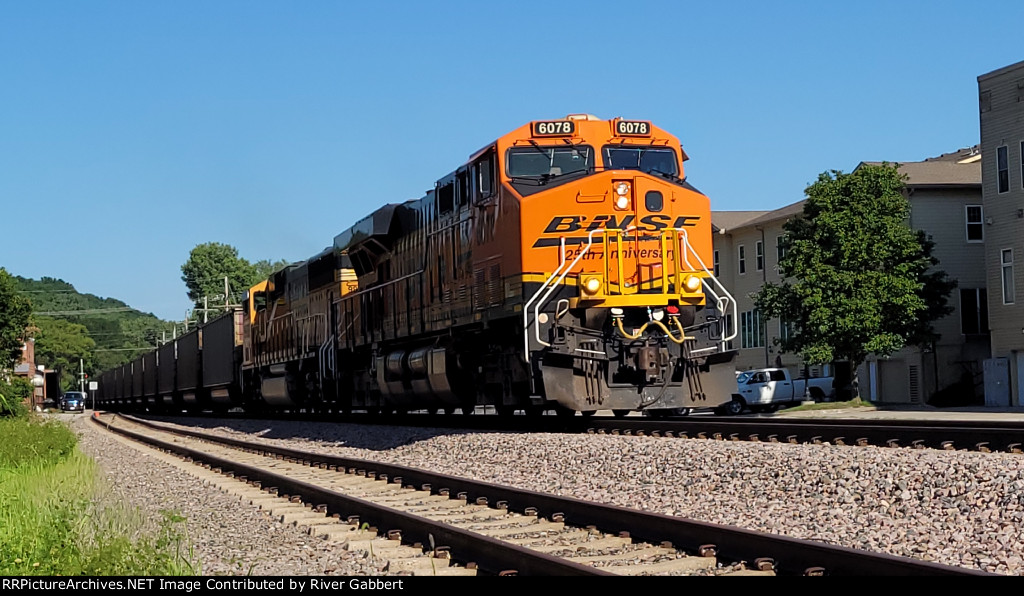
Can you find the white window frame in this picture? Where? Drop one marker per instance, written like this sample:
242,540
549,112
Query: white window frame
780,250
741,260
751,329
1006,159
1006,262
968,223
759,255
786,330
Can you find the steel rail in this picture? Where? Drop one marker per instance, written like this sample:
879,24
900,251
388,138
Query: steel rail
1006,436
791,556
488,554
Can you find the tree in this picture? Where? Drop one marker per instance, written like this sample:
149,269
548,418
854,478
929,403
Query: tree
264,268
15,314
64,346
858,281
207,266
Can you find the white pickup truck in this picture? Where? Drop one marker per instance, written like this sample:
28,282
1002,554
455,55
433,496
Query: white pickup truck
763,389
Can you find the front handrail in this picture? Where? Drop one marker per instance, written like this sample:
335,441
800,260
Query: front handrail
550,285
714,288
723,301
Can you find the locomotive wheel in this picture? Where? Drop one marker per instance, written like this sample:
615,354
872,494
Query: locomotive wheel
468,410
505,411
621,413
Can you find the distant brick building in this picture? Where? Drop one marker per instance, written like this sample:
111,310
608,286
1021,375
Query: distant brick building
26,367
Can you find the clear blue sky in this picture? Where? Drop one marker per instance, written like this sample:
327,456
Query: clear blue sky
132,131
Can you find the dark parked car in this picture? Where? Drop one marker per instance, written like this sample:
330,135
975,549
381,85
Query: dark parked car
72,401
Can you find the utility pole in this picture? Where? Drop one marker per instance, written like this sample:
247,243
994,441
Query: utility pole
81,375
227,300
206,310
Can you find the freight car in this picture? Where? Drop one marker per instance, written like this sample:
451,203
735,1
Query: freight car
562,267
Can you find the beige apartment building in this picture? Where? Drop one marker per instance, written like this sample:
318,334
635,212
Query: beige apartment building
1001,106
945,201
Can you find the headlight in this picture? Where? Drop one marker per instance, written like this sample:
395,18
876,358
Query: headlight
691,283
622,189
591,285
622,202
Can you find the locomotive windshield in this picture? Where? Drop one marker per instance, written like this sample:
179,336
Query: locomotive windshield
658,160
548,162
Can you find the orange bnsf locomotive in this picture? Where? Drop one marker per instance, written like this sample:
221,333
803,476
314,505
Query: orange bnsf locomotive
563,267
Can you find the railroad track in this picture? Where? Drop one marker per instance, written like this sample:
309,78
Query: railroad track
981,436
433,524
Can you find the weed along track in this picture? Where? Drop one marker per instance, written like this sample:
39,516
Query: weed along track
423,523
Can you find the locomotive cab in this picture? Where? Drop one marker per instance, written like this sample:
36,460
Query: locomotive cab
619,308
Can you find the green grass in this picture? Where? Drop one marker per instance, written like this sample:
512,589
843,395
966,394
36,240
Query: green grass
57,516
33,441
833,405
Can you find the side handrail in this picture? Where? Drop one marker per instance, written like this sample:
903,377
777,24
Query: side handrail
553,286
724,300
526,307
548,288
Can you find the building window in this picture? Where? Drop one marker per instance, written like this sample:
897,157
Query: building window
787,329
1002,170
742,266
751,329
975,225
973,311
780,247
759,255
717,264
1007,261
1022,164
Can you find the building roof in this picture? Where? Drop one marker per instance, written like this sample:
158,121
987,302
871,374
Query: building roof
1001,71
727,220
780,213
960,168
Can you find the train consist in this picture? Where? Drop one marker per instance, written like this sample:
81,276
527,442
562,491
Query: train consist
563,267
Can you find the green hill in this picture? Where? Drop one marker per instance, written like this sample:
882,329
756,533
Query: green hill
101,332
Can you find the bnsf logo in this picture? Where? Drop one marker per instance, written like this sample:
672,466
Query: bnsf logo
561,224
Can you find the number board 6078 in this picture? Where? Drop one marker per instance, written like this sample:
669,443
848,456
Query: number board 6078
554,128
632,128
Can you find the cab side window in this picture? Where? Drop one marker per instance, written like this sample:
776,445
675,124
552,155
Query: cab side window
445,197
463,188
483,176
778,375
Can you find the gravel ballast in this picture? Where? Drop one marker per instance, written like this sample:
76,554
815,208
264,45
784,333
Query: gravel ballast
952,507
226,537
